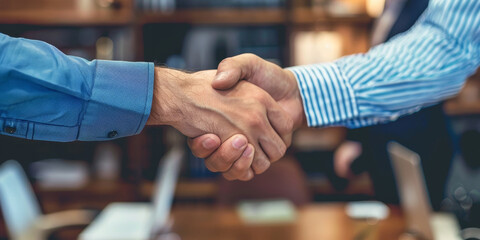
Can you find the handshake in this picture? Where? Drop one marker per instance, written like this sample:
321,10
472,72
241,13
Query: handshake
239,127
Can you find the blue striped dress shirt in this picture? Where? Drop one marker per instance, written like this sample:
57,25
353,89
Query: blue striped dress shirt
418,68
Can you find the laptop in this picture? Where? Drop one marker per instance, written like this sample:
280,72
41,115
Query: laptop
422,222
140,221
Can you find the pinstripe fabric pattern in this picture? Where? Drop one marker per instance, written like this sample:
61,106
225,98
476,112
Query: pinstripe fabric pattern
418,68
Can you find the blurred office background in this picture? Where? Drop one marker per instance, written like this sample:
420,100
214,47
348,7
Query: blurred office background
323,165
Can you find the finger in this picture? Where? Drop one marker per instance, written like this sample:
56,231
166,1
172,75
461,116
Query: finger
278,132
273,146
241,169
224,157
204,145
281,122
261,162
269,145
233,69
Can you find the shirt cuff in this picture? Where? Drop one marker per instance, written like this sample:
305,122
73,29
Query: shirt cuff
328,98
120,102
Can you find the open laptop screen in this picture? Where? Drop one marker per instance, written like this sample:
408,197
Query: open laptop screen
412,189
164,191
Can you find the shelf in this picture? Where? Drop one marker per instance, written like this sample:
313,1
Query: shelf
315,16
67,17
217,16
96,16
455,108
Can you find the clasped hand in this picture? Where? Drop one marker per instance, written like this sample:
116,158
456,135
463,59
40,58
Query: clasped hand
253,123
225,157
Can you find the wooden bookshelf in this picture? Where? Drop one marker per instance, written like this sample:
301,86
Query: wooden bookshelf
251,16
309,16
69,17
215,16
98,16
66,13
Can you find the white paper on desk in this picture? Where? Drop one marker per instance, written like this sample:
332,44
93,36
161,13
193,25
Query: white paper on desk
60,174
267,211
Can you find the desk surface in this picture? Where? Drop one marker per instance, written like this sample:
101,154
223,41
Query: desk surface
320,221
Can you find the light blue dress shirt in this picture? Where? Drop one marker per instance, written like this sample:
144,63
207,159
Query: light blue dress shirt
428,63
47,95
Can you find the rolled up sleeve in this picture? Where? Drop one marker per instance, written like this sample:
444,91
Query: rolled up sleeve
47,95
120,102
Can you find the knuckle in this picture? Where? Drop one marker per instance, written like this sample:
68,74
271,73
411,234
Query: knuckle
261,166
262,99
222,167
221,161
241,166
211,166
260,96
217,164
225,62
250,55
256,120
226,160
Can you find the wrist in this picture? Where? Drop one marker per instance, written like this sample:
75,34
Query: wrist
298,113
164,106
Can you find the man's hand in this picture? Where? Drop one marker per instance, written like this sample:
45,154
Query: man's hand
279,83
189,103
344,156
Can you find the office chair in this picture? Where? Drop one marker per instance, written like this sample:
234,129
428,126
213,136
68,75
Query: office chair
21,210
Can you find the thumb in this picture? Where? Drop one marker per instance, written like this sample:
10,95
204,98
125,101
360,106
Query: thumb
233,69
204,145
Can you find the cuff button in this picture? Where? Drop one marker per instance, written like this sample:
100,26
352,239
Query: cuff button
112,134
10,130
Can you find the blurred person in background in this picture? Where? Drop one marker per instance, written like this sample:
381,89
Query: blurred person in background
415,69
425,132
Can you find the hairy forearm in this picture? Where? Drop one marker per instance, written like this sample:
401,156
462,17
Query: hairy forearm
165,111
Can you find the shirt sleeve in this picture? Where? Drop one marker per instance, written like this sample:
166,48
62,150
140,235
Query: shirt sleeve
47,95
427,64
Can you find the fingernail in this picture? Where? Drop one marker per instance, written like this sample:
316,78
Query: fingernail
209,143
239,142
248,151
